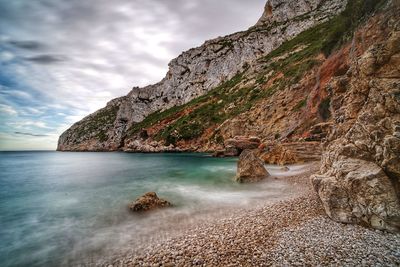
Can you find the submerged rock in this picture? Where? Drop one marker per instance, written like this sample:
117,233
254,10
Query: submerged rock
148,201
250,168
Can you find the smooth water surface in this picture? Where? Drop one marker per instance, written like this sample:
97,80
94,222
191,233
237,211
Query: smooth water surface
65,208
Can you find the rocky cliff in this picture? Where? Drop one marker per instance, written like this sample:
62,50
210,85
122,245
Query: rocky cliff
360,174
193,74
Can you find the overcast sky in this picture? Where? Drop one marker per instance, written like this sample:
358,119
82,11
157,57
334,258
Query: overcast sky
61,60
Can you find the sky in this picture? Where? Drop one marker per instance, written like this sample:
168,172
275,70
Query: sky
62,60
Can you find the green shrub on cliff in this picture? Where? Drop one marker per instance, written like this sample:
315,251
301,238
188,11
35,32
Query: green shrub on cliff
201,105
98,124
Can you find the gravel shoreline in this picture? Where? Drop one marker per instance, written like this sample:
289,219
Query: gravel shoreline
293,232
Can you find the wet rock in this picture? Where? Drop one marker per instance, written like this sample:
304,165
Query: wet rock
148,201
250,168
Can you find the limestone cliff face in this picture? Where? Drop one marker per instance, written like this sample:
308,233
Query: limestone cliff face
196,72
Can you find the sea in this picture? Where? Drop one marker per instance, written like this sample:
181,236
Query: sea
71,208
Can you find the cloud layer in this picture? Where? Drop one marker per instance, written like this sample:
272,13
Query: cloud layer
61,60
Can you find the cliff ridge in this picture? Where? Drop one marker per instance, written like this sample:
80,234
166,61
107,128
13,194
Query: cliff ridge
196,72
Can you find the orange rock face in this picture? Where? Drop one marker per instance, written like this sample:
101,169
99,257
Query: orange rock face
291,152
359,180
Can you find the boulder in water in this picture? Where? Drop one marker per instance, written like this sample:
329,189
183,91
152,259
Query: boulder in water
148,201
250,168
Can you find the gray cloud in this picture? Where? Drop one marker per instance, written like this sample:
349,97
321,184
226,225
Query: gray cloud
46,59
31,134
29,45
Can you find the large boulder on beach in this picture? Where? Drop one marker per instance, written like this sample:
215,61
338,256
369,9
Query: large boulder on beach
358,191
148,201
250,168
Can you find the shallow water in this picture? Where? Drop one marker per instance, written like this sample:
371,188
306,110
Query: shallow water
65,208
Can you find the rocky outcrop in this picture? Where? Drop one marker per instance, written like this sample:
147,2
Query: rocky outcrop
250,168
359,191
291,152
280,155
149,146
100,131
197,71
148,201
242,142
360,174
234,146
278,11
319,131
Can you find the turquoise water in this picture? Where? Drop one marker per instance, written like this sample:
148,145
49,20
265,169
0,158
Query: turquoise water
65,208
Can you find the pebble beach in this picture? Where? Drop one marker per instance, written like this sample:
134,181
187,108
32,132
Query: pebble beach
292,232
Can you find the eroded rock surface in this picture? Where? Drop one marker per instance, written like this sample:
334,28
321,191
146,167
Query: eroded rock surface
360,173
234,146
291,152
280,155
358,191
250,168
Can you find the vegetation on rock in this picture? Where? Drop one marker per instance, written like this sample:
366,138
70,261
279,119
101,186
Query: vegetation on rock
98,124
170,109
